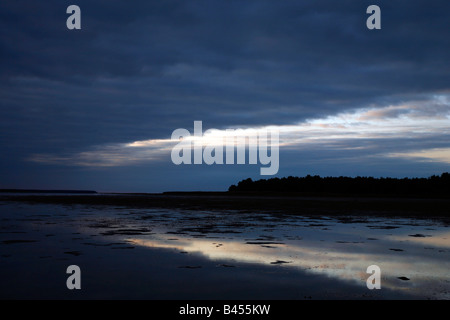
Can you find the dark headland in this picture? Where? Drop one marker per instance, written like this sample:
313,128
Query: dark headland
310,195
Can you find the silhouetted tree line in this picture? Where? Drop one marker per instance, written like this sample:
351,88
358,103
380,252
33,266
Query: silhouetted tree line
432,186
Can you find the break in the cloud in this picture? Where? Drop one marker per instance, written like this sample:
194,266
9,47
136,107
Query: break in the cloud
372,130
428,155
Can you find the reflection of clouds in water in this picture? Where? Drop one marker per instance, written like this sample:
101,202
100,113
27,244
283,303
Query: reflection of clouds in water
318,246
439,239
324,246
340,262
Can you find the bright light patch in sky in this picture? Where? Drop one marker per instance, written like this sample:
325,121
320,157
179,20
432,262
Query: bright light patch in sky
436,154
411,120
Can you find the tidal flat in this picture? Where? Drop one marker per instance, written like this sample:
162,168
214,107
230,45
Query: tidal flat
128,251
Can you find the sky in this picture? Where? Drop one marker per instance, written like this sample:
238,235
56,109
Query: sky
95,108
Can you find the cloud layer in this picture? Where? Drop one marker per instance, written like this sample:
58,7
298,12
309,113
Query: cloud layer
377,131
137,71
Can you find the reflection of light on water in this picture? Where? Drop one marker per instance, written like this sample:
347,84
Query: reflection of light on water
229,250
323,246
343,264
440,239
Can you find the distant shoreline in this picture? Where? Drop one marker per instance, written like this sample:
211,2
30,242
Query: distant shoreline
46,191
296,194
223,201
239,194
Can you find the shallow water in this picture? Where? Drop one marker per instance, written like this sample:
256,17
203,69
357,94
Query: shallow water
180,254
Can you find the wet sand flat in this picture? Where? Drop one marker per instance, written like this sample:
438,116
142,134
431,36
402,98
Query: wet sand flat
311,205
149,252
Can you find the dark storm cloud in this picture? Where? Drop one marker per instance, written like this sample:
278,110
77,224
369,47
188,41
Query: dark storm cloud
284,55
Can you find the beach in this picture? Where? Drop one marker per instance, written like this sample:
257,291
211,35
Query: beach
214,247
